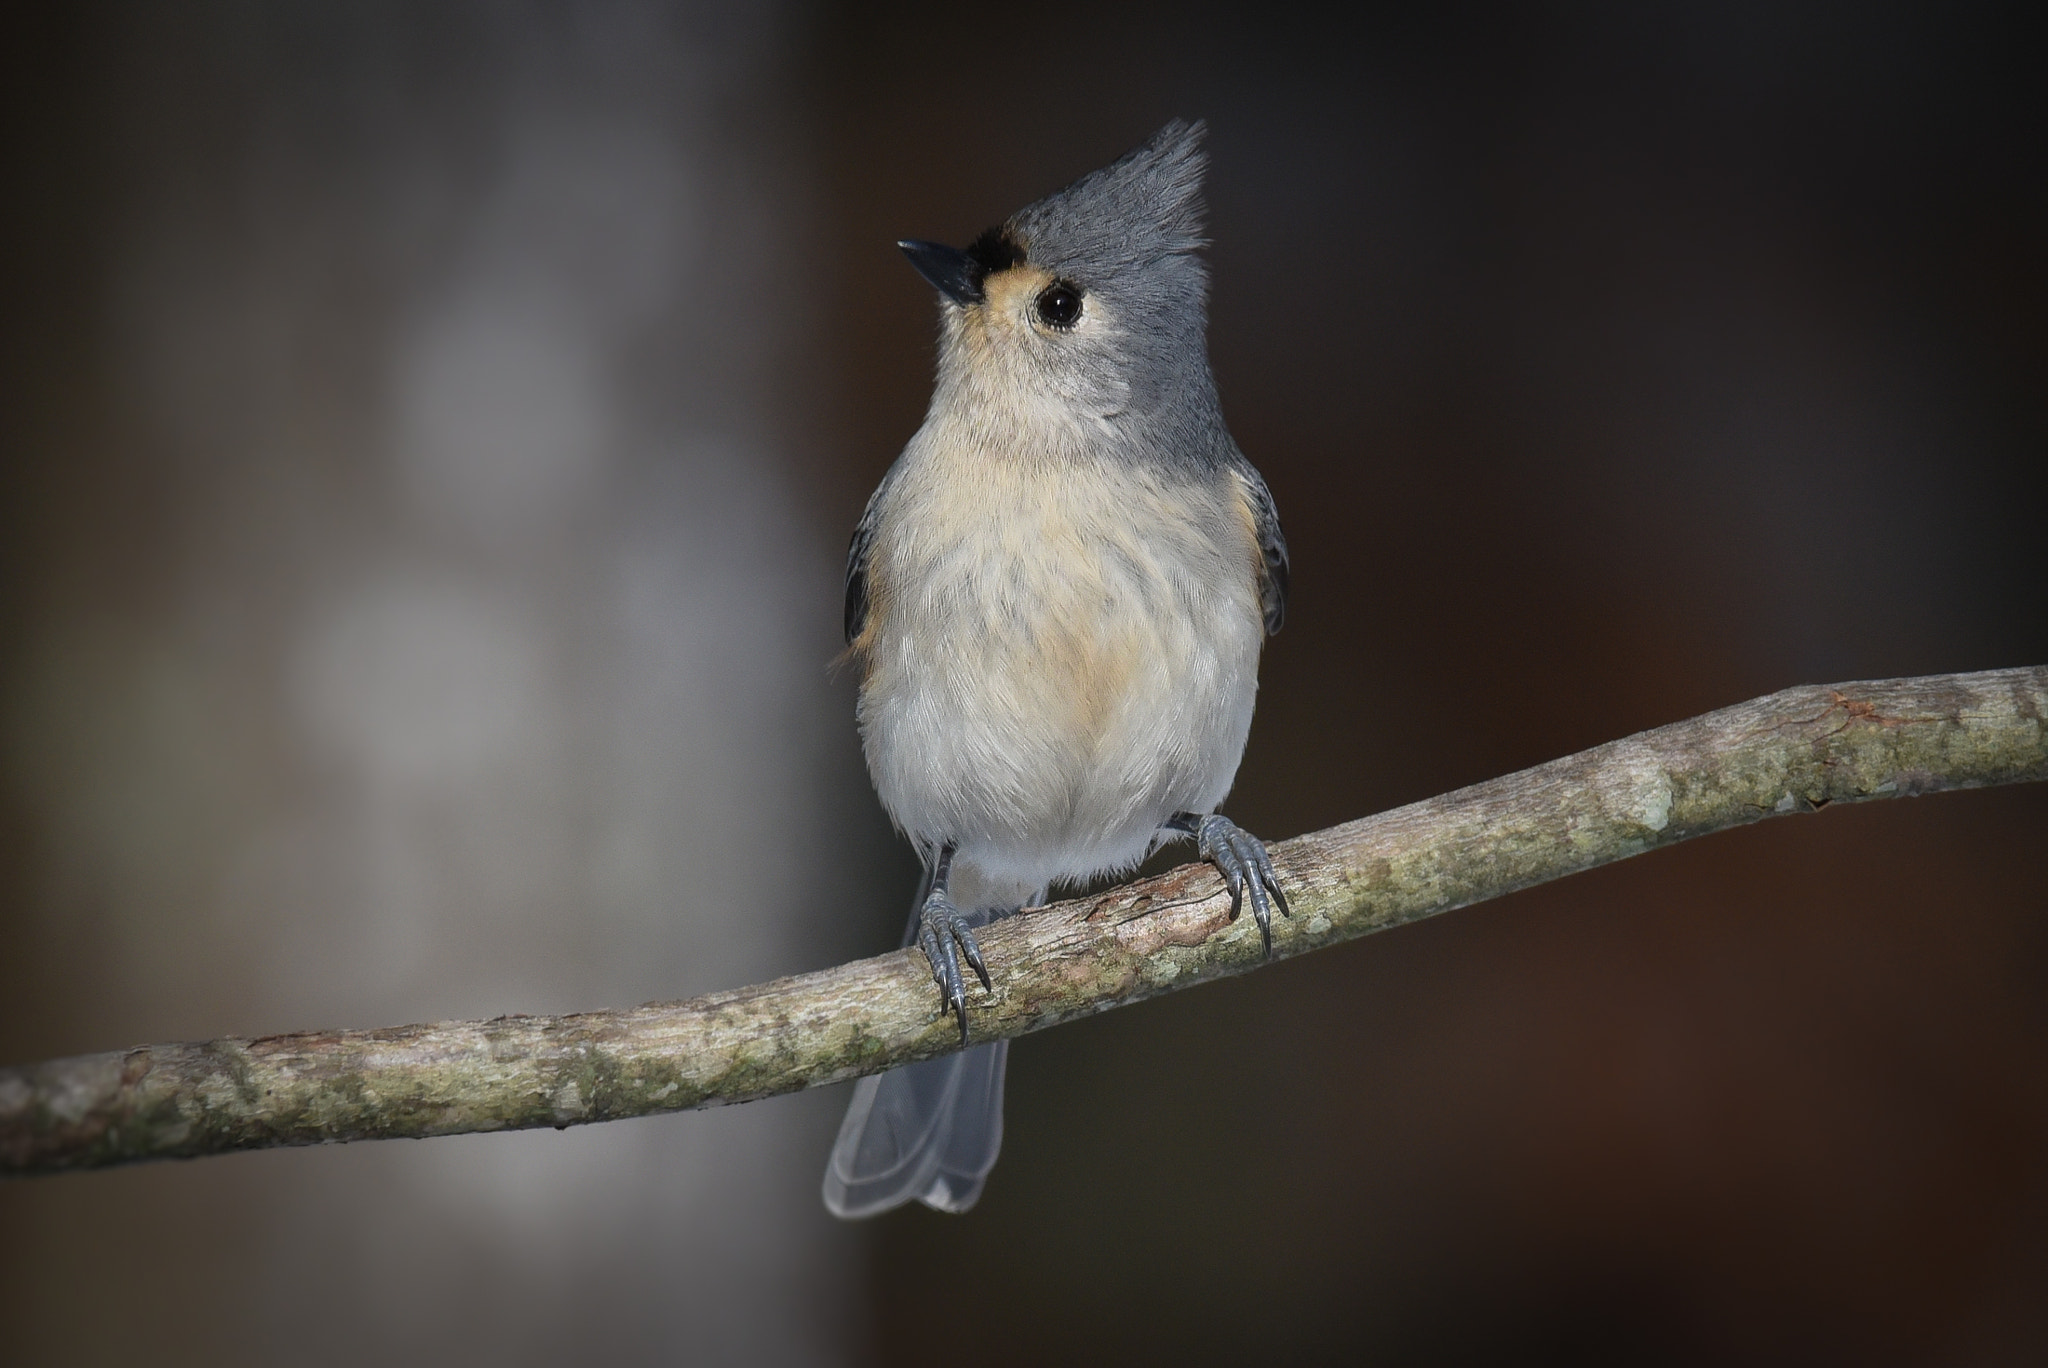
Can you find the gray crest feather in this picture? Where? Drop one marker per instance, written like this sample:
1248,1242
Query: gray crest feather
1140,209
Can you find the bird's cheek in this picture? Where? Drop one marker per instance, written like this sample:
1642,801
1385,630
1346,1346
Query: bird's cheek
1096,374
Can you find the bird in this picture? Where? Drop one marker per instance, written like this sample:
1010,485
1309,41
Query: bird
1056,601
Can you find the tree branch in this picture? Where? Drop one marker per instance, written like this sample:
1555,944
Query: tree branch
1794,751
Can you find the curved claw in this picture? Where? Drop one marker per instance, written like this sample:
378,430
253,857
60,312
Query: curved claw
946,937
1247,871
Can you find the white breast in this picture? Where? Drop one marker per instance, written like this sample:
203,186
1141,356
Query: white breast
1062,654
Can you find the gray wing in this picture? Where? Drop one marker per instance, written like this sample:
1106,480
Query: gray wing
1272,545
857,573
857,558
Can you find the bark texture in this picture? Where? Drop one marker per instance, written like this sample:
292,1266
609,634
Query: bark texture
1791,752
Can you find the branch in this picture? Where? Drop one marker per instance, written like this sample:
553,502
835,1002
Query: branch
1795,751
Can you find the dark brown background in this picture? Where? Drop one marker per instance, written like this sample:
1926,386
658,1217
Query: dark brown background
1609,364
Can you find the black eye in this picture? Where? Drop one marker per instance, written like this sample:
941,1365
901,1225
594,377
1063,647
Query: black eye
1059,304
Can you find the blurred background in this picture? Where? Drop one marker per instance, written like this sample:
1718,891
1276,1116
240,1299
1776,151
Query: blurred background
431,433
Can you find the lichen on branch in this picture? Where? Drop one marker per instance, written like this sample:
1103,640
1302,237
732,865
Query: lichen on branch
1790,752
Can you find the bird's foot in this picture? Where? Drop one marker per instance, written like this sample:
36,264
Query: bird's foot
1247,871
946,937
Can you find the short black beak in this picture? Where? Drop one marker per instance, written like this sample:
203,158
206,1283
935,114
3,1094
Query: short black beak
951,271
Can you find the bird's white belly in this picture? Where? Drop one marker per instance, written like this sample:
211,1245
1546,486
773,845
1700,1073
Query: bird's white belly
1046,686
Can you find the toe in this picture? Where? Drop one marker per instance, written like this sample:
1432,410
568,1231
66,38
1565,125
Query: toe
1262,864
946,937
972,951
1247,871
928,941
949,975
1255,887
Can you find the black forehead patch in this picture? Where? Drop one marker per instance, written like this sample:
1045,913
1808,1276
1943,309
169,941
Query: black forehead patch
995,250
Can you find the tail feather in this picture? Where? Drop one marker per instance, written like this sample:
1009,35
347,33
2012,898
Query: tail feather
927,1132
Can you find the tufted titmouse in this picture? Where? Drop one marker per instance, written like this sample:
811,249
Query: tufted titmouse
1056,600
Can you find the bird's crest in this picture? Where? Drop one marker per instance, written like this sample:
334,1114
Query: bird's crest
1140,209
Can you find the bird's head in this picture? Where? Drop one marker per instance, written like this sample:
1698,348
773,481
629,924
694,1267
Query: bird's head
1090,303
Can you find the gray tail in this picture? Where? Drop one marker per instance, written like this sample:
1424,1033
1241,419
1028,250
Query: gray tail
926,1132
